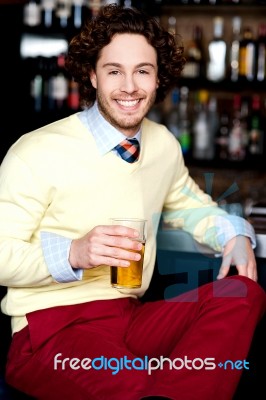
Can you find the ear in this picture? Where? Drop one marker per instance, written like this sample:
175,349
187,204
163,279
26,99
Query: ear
93,79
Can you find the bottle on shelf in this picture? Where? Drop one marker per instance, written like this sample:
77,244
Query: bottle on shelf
172,116
171,25
213,123
194,54
49,76
223,137
216,68
51,89
48,13
238,135
73,99
95,6
184,123
247,56
201,138
60,85
63,13
261,53
79,12
234,50
37,84
32,14
256,129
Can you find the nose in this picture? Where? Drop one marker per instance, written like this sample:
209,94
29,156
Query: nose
129,84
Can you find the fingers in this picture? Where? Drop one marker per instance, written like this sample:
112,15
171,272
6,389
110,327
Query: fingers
238,252
114,251
116,236
249,270
223,272
115,230
105,245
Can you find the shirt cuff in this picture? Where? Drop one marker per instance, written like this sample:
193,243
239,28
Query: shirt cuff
230,226
56,252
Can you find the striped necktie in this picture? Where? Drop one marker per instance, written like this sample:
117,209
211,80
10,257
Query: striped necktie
128,149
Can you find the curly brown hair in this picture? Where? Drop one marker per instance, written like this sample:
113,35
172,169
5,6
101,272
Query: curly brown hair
84,49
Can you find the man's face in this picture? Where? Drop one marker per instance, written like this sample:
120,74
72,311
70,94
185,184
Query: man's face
126,81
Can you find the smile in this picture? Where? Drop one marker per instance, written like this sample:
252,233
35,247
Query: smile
128,103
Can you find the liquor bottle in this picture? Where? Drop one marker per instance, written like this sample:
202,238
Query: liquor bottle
95,6
172,116
234,51
223,137
238,133
36,84
256,129
60,85
247,55
73,96
244,119
32,14
49,76
184,123
261,56
63,13
216,68
213,123
201,126
194,54
172,25
79,13
48,13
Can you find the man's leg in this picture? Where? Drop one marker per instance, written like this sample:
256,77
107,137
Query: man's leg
44,357
200,329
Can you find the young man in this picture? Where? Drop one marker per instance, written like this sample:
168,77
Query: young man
75,336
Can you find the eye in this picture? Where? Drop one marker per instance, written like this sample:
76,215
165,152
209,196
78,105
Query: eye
115,72
143,72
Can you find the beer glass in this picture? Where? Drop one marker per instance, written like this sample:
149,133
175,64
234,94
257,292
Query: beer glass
130,277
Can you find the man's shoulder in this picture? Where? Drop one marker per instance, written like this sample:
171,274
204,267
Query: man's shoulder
54,132
157,128
158,133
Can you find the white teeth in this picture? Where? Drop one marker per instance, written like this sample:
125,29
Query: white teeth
127,103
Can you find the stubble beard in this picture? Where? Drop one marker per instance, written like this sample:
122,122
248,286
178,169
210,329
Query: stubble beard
125,123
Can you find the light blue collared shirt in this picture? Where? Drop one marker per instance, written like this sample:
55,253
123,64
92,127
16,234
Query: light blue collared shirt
56,248
105,135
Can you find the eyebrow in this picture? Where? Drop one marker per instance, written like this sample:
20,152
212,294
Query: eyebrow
117,65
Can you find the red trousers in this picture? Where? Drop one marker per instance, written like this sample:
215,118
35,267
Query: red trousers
193,347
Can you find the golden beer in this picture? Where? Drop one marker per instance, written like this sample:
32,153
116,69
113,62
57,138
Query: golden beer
129,277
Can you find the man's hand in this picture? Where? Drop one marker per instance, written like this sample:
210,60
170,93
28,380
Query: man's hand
105,245
238,251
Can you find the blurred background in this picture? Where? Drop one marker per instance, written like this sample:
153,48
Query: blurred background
217,112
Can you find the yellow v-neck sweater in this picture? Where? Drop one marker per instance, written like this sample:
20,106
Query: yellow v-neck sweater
55,180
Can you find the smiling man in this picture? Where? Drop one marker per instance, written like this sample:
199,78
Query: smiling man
74,335
126,91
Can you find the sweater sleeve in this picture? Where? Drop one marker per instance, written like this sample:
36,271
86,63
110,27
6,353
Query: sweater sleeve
189,208
22,204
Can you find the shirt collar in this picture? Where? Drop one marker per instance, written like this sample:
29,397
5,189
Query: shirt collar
105,135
